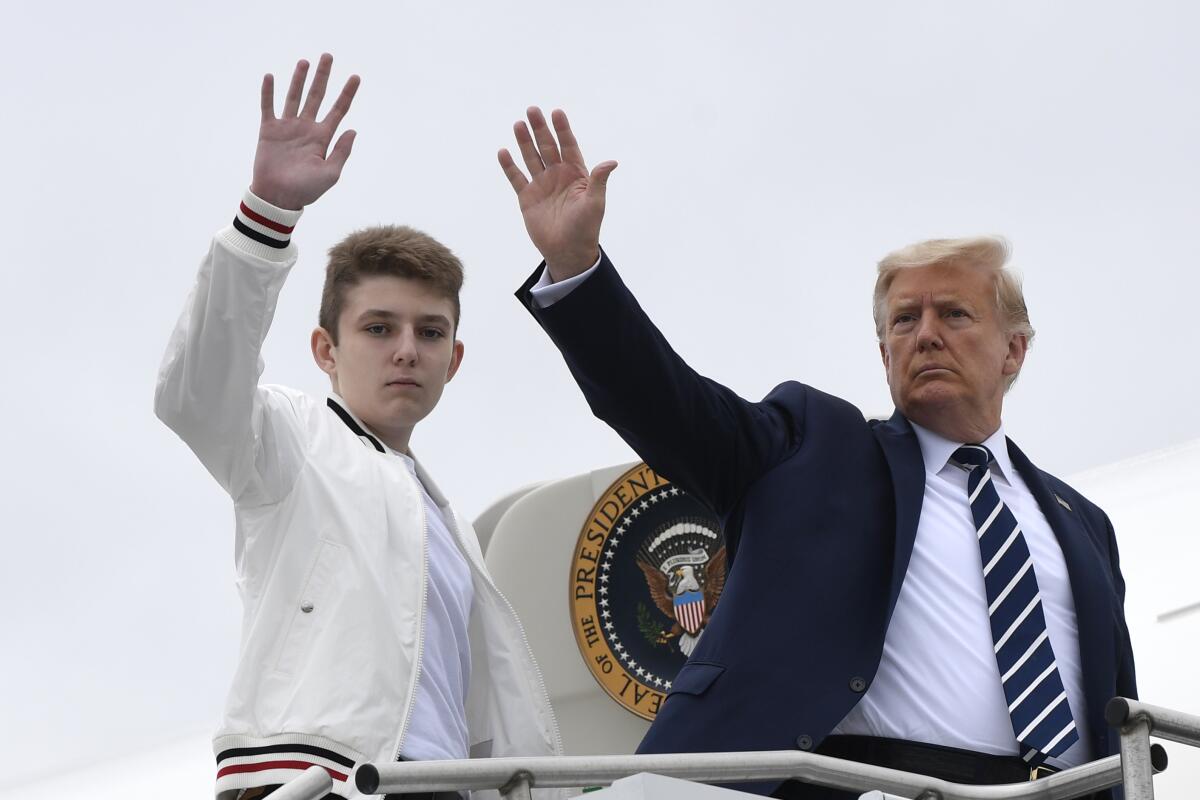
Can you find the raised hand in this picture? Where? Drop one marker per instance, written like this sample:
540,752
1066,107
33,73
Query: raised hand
562,203
293,164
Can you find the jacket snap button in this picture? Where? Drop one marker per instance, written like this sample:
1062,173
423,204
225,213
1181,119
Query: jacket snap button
858,685
804,742
306,608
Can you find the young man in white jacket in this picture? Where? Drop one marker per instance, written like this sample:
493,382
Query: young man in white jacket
372,631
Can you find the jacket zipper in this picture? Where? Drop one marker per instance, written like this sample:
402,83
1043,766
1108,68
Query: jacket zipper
512,613
412,695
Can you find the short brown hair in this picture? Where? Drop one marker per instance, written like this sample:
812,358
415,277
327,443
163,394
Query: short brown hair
396,250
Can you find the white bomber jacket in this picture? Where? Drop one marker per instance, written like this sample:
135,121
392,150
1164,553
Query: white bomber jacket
330,550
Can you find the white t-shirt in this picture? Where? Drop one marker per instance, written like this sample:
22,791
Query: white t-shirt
438,727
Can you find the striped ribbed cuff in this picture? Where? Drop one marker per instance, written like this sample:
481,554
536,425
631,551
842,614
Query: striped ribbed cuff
244,762
264,223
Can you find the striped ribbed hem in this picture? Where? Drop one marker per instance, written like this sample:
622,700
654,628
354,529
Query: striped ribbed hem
245,762
261,228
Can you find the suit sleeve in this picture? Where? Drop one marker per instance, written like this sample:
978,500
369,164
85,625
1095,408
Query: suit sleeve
692,430
247,436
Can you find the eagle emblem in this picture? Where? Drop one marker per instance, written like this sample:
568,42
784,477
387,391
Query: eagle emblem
647,573
685,577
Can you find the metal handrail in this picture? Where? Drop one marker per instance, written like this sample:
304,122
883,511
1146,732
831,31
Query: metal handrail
1165,723
312,784
514,777
1137,722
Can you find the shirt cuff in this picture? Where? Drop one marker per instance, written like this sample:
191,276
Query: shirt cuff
267,229
545,293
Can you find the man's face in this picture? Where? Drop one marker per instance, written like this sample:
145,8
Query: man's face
946,351
395,353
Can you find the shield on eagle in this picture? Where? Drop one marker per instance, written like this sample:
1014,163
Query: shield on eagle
689,611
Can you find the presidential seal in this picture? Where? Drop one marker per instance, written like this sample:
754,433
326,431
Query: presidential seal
647,573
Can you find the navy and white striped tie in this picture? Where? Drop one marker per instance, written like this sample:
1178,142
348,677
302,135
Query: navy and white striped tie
1037,702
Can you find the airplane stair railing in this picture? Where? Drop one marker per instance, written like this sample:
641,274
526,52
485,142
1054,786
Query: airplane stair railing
313,784
515,777
1137,722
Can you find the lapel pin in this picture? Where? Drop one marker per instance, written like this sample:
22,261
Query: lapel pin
1063,503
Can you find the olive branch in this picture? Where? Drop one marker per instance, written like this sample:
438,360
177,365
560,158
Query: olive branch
651,629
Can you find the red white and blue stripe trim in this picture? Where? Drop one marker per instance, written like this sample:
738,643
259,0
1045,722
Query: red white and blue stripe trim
268,225
248,763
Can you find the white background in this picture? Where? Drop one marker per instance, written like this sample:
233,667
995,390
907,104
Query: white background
770,154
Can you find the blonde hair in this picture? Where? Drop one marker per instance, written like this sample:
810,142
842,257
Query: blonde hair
988,253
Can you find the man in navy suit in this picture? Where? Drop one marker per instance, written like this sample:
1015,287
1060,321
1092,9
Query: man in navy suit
953,610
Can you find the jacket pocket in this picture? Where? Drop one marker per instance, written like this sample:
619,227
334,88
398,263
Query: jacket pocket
308,611
695,677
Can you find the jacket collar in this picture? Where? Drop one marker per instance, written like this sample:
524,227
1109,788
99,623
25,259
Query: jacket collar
353,422
356,426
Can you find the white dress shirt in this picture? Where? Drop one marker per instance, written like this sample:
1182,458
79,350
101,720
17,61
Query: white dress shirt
546,293
938,681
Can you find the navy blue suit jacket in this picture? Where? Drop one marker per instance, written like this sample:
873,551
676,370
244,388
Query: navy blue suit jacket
820,509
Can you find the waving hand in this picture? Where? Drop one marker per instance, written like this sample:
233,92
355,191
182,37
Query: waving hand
562,203
293,165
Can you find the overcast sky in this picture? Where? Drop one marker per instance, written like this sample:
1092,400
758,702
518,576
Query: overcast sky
770,154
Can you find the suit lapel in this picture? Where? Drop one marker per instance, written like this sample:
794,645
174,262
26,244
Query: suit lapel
1093,595
903,454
